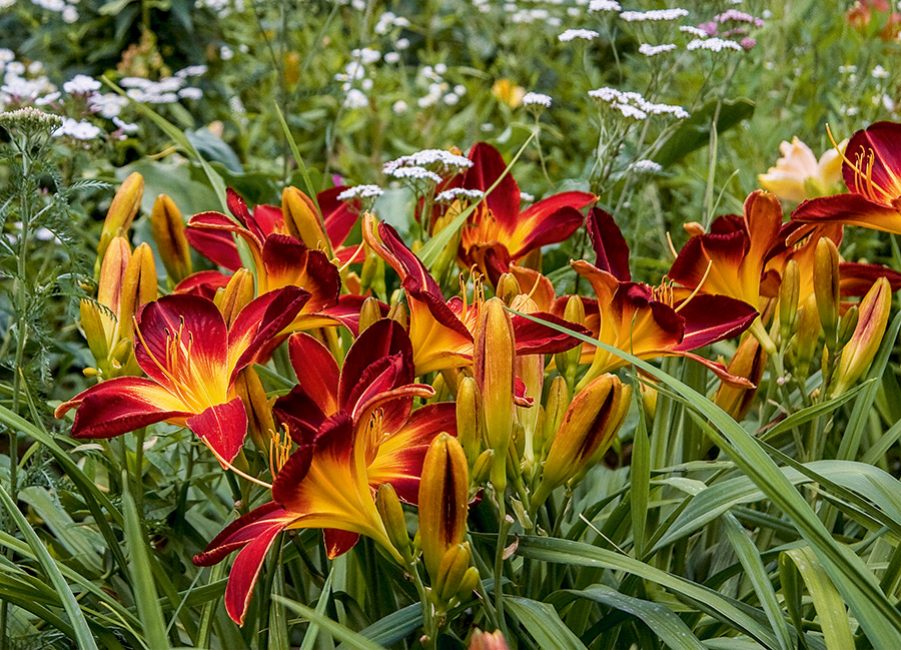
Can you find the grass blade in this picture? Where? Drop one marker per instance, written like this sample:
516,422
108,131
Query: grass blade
338,631
543,623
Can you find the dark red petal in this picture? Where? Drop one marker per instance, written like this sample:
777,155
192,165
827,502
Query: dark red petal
119,405
409,267
201,329
547,228
237,206
851,210
268,219
856,279
223,427
884,140
246,569
488,165
288,262
210,234
258,329
383,339
316,370
711,318
347,311
240,532
338,542
202,283
340,216
610,247
535,338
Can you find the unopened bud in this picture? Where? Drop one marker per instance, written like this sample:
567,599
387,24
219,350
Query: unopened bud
443,500
749,361
806,338
168,229
121,211
568,362
507,288
392,514
554,412
110,285
370,312
139,288
454,564
493,369
649,398
826,287
398,311
469,430
789,291
235,296
588,428
848,324
858,354
487,641
94,332
260,423
481,469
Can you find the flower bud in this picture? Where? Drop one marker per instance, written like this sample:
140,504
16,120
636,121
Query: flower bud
481,469
113,270
235,296
168,229
554,411
443,500
749,361
587,430
260,423
487,641
469,430
568,361
806,338
789,291
122,211
370,312
392,514
398,311
508,288
94,332
454,565
139,288
826,286
858,354
493,369
847,324
649,395
301,218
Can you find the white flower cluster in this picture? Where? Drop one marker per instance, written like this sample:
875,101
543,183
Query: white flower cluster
529,16
361,192
67,10
633,105
537,99
81,84
354,81
646,167
388,21
167,90
580,34
654,50
78,129
604,5
415,174
434,160
653,15
221,8
438,90
714,45
694,31
455,193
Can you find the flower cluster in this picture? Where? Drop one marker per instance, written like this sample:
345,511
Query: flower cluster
407,395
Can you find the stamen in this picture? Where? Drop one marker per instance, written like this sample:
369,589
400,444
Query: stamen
228,465
697,289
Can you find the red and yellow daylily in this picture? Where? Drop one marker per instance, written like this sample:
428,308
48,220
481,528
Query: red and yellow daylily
280,259
872,173
648,321
191,360
499,232
328,483
442,330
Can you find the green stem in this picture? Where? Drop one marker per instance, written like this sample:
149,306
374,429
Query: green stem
429,622
502,528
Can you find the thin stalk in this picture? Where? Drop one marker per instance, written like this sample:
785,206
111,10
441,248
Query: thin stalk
502,529
429,622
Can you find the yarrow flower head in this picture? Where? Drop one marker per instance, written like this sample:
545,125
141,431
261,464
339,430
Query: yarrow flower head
537,99
654,50
455,193
713,45
78,130
646,167
81,84
361,192
415,173
653,15
580,34
438,161
633,105
694,31
604,5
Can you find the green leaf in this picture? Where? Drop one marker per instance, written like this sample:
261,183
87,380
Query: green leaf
543,622
831,612
809,413
396,626
694,132
80,629
309,639
142,583
663,622
338,631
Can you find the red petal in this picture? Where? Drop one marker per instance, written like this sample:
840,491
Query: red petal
711,318
340,216
383,339
610,246
120,405
202,283
338,542
300,414
201,355
246,569
241,531
237,206
849,209
883,139
488,165
258,328
409,267
763,219
210,233
268,219
223,427
347,311
288,262
316,370
540,229
856,279
535,338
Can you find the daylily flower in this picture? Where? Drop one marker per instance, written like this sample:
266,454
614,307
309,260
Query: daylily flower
442,330
328,483
280,259
798,175
648,321
498,232
872,174
192,361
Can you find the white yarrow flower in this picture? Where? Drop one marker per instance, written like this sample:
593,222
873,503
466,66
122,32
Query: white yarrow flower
416,174
361,192
81,84
654,50
537,99
604,5
653,15
714,45
451,195
581,34
646,167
